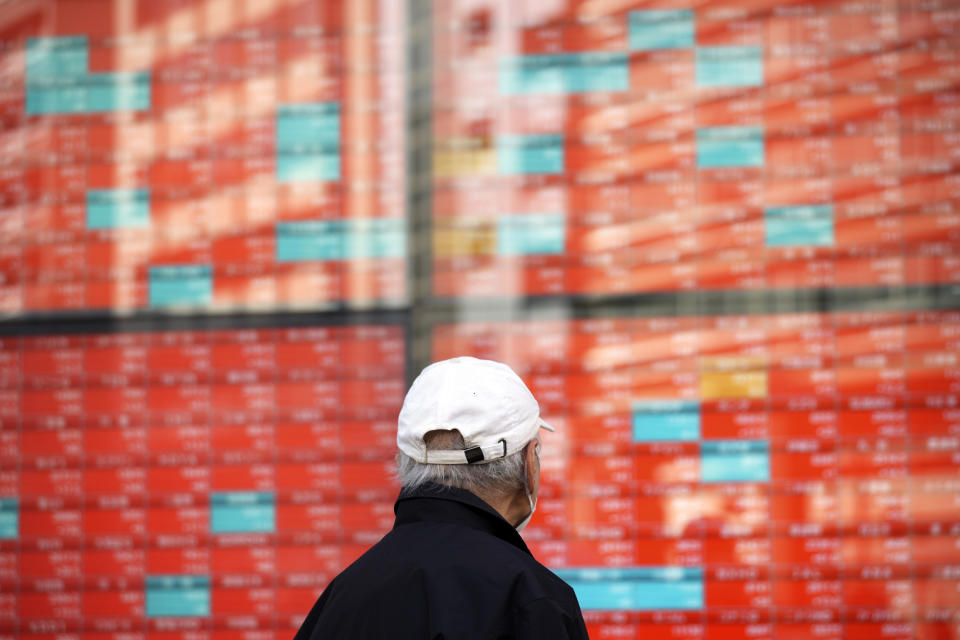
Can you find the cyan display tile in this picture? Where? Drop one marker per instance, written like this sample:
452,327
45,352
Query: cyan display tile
531,234
533,154
734,461
653,29
118,209
9,518
666,420
799,225
729,66
181,285
177,596
725,147
243,512
564,73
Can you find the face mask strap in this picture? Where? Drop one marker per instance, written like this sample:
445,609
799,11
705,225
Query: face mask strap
526,489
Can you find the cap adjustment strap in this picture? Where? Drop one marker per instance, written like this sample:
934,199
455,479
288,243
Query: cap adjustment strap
470,456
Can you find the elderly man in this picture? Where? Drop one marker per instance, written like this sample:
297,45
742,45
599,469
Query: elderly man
454,565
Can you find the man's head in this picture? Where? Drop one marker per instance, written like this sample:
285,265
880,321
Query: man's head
472,424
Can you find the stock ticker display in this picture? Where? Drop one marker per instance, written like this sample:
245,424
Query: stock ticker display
201,154
762,476
184,483
203,472
618,147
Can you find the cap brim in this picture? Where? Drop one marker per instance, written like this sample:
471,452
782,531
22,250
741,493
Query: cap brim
546,425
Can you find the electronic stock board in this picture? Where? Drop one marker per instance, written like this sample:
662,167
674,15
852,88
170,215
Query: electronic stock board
756,472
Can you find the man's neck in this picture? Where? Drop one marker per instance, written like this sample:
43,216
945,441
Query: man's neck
512,508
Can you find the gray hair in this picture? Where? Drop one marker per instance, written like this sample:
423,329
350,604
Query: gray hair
502,476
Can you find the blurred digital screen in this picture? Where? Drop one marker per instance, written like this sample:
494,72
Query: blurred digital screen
759,476
178,482
590,147
782,464
201,154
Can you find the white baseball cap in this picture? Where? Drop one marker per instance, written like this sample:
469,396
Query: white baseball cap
484,400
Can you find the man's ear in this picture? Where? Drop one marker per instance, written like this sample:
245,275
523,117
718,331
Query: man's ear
530,459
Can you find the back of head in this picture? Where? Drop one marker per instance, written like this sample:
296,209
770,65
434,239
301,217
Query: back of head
465,423
496,478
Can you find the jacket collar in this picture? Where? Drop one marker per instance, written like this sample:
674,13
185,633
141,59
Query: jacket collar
438,503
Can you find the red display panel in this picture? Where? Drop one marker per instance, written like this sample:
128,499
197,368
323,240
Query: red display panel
201,155
732,476
726,476
634,147
190,484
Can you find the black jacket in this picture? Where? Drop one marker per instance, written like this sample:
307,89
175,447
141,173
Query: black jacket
451,568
